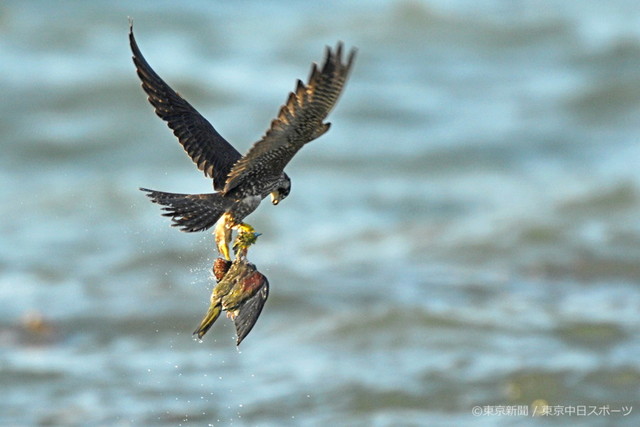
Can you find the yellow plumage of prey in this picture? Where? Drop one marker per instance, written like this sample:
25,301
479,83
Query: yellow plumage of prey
241,290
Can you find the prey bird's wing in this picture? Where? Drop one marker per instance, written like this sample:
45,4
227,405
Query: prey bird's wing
250,310
300,120
207,148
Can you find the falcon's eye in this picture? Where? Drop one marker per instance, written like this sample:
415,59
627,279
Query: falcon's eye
284,192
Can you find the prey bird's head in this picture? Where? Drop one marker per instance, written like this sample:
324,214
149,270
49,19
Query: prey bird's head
244,239
282,190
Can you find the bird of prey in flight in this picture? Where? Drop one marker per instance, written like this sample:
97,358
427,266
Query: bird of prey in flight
241,182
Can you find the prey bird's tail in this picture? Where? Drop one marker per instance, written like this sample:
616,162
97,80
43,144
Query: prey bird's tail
209,319
190,212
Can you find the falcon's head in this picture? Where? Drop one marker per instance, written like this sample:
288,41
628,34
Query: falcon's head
282,190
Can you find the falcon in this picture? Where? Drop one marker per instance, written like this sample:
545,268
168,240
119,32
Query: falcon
241,182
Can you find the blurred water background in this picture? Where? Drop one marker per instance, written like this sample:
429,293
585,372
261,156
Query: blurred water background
466,234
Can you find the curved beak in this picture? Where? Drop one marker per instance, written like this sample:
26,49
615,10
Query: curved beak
275,197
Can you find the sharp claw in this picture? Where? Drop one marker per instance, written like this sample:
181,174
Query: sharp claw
224,251
246,228
222,236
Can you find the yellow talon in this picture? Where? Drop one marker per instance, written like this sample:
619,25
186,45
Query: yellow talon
224,250
222,235
245,228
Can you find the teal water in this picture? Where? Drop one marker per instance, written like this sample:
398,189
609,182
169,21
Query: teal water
467,234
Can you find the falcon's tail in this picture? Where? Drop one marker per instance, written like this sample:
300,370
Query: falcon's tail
190,212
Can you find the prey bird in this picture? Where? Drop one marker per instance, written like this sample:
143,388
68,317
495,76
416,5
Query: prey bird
241,182
241,290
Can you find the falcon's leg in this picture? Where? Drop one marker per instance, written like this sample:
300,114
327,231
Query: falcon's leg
222,235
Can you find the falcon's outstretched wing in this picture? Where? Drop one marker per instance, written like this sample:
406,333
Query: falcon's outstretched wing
210,152
300,120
